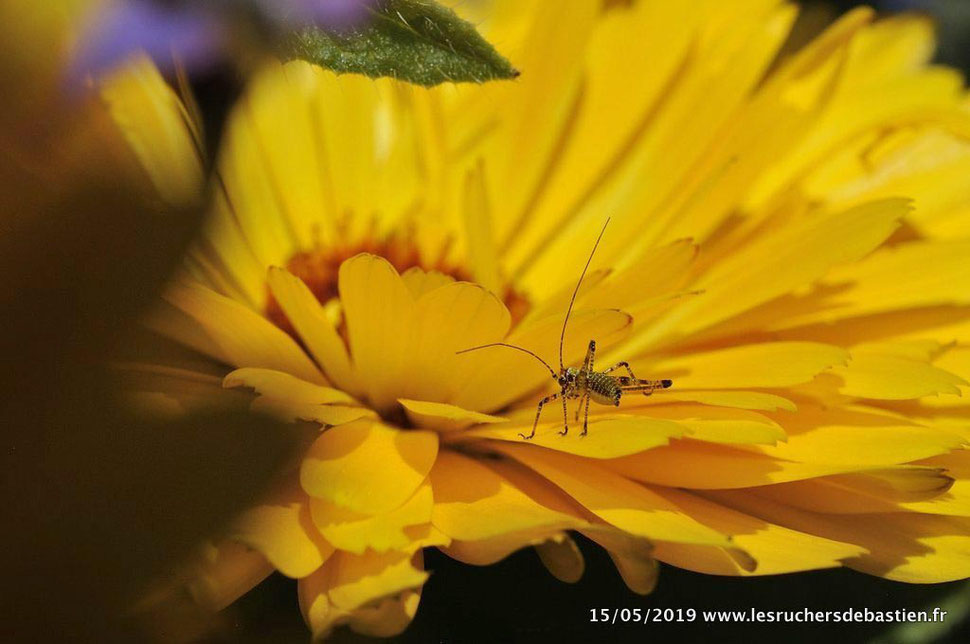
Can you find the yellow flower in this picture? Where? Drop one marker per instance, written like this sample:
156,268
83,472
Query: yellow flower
789,243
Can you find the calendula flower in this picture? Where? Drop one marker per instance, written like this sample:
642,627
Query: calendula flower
789,244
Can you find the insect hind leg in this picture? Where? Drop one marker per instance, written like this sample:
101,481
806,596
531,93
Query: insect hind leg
633,383
646,387
623,364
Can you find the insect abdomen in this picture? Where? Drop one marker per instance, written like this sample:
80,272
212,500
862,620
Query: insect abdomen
603,389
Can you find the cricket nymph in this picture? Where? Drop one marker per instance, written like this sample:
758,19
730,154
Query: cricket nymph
584,383
590,385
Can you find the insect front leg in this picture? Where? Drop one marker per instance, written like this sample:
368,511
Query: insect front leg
584,400
565,418
535,424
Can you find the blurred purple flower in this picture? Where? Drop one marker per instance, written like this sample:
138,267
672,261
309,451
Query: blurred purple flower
330,14
197,33
192,33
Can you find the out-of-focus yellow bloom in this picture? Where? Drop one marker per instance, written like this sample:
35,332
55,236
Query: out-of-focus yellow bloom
790,244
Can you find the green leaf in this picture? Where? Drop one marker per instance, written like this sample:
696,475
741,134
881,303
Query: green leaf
418,41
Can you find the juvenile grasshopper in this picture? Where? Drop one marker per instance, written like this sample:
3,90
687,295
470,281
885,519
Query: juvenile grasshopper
584,383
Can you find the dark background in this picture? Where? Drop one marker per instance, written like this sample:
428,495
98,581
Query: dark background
952,17
517,600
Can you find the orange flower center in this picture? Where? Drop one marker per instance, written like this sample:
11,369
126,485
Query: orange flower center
319,269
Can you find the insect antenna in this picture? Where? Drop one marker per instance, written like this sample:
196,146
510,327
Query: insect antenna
511,346
562,336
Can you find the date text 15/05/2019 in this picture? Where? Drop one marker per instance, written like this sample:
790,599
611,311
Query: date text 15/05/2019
641,615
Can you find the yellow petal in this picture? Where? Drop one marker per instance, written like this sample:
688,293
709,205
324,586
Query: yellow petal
284,532
923,164
310,321
448,319
596,145
888,377
632,556
844,436
907,276
864,104
360,579
614,499
228,571
544,103
170,321
697,465
368,467
706,559
224,258
241,336
378,309
562,558
779,262
769,364
158,129
654,277
720,398
420,281
482,254
733,431
721,425
355,531
915,548
843,29
926,490
945,323
354,146
443,417
677,135
355,588
389,617
895,45
607,437
659,271
558,302
777,550
955,463
278,112
923,350
472,502
405,348
252,196
485,552
539,489
318,611
291,412
283,386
